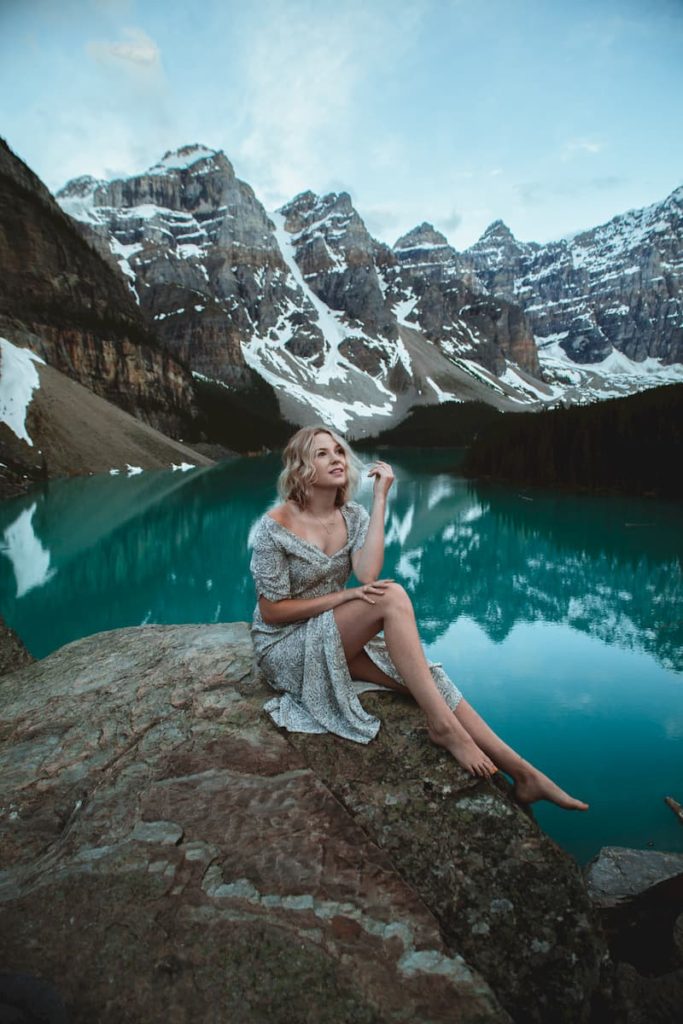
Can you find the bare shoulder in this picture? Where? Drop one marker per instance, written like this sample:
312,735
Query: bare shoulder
282,514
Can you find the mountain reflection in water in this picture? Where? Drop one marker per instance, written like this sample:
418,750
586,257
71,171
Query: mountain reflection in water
508,585
96,553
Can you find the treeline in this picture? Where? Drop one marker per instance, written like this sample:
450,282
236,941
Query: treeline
241,419
628,445
436,426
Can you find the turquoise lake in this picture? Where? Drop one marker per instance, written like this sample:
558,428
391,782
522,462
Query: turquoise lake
560,617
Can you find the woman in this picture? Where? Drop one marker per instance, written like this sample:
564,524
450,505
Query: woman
313,636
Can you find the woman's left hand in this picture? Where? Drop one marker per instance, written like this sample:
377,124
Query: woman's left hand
384,478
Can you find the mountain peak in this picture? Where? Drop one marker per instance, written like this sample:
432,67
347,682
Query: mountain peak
423,236
184,157
82,186
499,229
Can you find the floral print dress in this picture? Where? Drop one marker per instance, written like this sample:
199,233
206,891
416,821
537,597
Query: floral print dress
305,661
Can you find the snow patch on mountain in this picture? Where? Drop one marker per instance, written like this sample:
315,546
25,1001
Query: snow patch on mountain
613,377
181,159
333,330
18,380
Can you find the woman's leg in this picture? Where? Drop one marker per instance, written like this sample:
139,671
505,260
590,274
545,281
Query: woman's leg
530,783
358,622
362,667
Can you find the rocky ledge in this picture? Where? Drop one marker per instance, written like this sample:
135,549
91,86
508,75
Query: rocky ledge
167,852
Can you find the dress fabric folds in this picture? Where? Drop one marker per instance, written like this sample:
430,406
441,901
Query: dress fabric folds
304,661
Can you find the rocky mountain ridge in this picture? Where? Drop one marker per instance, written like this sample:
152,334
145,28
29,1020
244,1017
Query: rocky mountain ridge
355,332
305,298
616,288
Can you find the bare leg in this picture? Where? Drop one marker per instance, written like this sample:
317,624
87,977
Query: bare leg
358,622
530,783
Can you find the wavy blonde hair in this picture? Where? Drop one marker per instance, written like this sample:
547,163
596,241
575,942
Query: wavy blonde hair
295,480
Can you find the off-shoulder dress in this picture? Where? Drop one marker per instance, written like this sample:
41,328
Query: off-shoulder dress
304,661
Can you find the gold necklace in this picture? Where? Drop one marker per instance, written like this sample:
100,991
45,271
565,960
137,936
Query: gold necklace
327,527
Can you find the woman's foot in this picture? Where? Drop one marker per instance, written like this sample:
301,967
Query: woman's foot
458,742
532,785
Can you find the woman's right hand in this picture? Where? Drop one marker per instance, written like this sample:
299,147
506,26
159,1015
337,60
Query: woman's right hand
370,591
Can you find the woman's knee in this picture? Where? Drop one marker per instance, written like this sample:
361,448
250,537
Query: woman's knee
397,596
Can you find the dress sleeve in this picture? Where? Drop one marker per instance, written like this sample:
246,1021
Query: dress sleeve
361,520
269,567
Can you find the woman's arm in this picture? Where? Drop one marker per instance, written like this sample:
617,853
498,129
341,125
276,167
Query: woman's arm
368,561
294,609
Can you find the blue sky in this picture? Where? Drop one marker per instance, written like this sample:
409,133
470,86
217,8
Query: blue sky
552,115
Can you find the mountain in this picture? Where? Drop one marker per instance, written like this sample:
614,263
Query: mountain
304,298
352,331
455,311
603,302
60,299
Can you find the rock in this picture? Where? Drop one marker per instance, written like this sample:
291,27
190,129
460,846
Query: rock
507,897
26,999
155,819
454,308
304,299
335,253
201,252
642,1000
13,654
619,873
639,894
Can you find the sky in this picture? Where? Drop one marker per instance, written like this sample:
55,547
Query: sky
552,115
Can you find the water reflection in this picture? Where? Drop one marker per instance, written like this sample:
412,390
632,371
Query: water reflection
96,553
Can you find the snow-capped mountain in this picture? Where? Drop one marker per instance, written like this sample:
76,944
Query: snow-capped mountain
605,303
347,329
305,297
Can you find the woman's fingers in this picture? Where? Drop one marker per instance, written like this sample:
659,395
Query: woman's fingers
377,587
380,469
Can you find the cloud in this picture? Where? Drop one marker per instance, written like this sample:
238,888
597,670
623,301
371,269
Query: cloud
573,147
535,193
308,76
137,49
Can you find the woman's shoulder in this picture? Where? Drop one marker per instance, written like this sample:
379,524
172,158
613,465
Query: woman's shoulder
355,511
281,514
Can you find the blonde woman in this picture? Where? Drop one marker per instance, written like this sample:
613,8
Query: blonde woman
313,636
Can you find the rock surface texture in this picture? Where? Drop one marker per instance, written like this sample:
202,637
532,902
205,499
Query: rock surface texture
455,311
167,851
62,300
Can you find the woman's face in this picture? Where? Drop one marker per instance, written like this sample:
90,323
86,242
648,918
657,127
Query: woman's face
329,462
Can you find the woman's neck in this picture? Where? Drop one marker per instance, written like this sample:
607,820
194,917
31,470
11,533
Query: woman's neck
321,502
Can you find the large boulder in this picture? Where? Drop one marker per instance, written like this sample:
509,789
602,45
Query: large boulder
639,896
165,850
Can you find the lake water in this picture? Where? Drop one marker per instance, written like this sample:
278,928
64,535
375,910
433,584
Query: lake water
561,618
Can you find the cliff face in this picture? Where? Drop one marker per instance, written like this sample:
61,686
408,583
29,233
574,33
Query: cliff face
617,286
282,877
199,253
60,298
454,310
